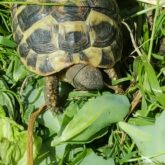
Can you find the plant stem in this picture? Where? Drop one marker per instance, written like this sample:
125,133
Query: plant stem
153,31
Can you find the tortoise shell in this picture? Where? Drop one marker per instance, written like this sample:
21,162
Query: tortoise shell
53,37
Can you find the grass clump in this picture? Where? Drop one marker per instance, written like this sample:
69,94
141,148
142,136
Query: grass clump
101,138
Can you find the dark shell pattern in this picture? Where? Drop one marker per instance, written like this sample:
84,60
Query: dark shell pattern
51,38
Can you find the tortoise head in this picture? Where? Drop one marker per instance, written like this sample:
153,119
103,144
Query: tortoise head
83,77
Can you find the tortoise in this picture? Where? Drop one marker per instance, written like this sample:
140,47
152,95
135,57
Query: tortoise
70,40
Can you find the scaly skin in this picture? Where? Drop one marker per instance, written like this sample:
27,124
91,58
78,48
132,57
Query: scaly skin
51,91
84,77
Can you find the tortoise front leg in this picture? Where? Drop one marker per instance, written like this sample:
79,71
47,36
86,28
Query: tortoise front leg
51,91
114,74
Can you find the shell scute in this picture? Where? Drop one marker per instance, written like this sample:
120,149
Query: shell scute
105,34
51,38
32,60
74,41
70,13
29,16
46,66
23,50
40,41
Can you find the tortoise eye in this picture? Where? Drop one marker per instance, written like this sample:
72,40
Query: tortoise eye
105,34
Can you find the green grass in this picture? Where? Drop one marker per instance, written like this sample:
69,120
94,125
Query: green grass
143,79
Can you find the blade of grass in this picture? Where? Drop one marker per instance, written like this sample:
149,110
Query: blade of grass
7,42
153,30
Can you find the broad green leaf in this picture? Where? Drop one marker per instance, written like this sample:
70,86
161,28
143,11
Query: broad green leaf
7,42
153,82
92,158
79,157
33,93
3,84
19,71
2,111
149,139
160,97
138,70
7,100
151,77
13,143
16,70
68,115
14,152
80,94
46,155
96,114
141,121
146,75
50,120
148,80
